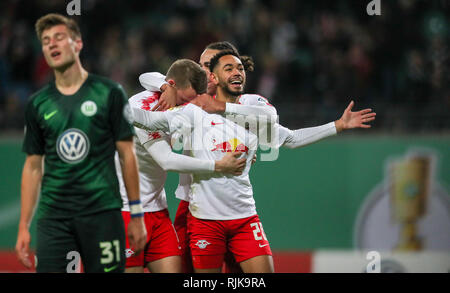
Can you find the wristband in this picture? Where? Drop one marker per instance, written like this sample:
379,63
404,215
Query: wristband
136,208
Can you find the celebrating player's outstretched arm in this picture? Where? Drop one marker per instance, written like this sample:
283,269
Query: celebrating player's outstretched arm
357,119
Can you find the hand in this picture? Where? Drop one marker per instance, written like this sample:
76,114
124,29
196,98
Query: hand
168,98
351,119
23,247
137,234
208,104
231,164
254,159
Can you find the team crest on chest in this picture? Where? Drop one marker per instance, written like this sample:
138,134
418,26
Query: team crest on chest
72,146
89,108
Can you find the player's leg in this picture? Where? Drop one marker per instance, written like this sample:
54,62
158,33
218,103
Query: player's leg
163,254
207,243
55,240
134,270
258,264
134,263
101,238
250,246
180,224
208,263
170,264
231,266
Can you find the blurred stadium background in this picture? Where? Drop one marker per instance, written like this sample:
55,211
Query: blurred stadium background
326,205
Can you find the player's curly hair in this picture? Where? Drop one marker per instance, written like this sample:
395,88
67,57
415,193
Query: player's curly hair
215,59
247,61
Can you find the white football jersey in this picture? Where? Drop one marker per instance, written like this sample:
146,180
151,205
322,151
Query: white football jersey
183,190
215,196
151,176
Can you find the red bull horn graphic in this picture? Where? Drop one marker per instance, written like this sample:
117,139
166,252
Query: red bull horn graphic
232,145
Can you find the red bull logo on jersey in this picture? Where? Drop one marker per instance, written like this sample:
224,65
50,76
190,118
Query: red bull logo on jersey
232,145
148,101
129,253
202,244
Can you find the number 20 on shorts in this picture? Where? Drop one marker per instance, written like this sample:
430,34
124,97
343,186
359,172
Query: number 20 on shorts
258,231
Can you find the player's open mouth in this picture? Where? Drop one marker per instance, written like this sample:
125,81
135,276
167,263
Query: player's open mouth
55,54
237,82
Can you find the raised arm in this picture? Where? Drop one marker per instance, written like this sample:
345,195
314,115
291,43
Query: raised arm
156,82
304,136
213,106
152,81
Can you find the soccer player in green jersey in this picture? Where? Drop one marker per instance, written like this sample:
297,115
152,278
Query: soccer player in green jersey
74,126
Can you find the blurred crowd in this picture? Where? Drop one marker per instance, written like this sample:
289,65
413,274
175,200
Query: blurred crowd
312,57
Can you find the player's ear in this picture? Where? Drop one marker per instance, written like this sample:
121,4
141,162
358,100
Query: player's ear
214,78
171,82
78,45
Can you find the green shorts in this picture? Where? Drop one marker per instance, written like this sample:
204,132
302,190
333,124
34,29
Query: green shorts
98,239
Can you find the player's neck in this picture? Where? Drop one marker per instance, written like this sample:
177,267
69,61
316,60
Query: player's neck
69,80
226,97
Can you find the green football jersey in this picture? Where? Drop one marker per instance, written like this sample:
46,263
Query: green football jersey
77,136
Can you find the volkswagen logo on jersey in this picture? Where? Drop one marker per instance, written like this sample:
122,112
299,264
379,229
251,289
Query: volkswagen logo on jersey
72,146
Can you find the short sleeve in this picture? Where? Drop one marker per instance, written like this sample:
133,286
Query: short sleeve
33,143
120,116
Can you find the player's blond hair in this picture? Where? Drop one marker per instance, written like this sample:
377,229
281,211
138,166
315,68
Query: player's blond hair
52,19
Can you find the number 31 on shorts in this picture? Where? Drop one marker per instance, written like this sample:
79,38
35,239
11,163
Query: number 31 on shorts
258,231
108,251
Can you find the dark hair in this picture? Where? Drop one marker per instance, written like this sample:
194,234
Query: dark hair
222,46
187,73
215,60
247,61
52,19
